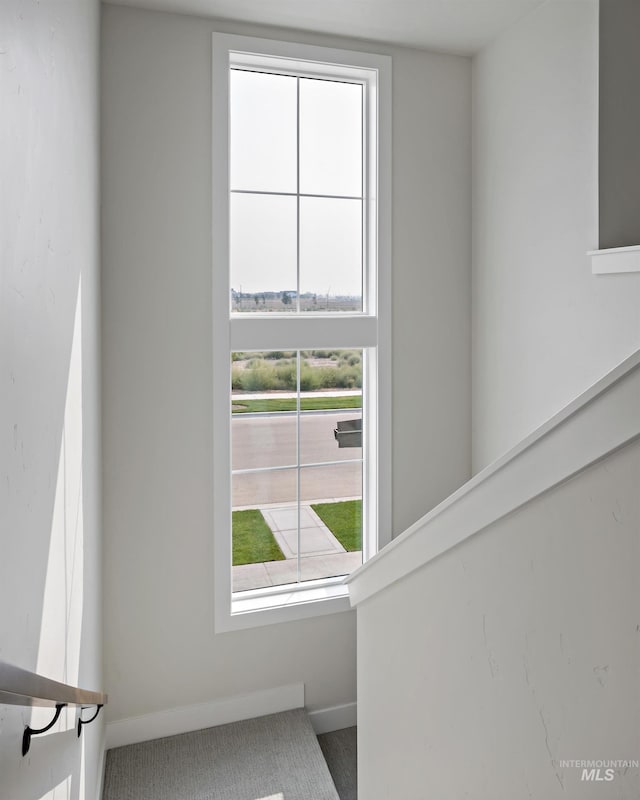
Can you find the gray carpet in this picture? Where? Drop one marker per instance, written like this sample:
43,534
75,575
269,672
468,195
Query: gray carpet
276,757
340,749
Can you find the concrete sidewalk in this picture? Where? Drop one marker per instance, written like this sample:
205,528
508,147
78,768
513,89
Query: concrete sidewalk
293,395
321,554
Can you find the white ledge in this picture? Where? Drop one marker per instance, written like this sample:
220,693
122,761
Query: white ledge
601,420
615,260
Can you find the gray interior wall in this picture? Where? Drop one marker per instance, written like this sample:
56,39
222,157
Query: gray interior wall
619,123
50,560
544,327
156,151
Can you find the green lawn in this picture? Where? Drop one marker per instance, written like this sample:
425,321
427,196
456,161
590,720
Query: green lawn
344,520
246,405
253,541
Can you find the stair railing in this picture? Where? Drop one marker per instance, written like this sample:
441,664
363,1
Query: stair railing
19,687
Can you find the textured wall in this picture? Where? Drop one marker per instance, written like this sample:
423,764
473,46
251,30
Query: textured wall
511,652
50,570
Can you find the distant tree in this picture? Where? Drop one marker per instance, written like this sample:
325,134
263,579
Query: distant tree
256,299
286,298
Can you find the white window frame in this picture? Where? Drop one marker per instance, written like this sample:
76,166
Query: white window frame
370,330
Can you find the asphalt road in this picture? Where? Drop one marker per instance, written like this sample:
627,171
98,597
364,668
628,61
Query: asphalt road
269,440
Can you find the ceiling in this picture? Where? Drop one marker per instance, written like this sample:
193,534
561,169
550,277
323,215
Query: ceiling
457,26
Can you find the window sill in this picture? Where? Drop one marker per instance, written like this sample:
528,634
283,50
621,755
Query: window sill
615,260
253,609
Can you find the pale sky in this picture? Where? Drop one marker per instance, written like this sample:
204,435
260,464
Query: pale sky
264,158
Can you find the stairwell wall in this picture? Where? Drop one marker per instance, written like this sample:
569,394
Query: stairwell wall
544,327
161,650
511,652
50,474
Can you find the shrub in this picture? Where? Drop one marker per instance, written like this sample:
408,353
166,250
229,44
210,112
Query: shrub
267,375
327,377
236,379
286,375
349,377
262,379
310,379
278,355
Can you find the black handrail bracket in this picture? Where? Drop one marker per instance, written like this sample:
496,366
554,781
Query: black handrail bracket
82,722
29,731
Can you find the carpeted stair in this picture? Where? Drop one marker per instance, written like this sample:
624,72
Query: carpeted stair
340,750
276,757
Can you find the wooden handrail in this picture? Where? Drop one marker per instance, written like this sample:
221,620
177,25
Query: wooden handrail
19,687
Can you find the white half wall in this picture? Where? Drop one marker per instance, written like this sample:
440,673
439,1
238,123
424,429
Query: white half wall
544,327
511,652
161,648
50,475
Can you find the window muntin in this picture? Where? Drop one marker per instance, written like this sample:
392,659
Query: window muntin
263,252
297,490
297,231
331,138
263,139
330,254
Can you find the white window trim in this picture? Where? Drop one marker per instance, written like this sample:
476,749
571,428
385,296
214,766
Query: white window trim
281,604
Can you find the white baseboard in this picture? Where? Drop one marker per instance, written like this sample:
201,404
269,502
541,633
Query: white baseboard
204,715
335,718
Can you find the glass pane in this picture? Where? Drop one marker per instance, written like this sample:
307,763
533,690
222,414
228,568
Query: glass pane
330,254
261,502
331,541
330,401
255,489
263,131
263,407
263,253
330,138
334,482
300,522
